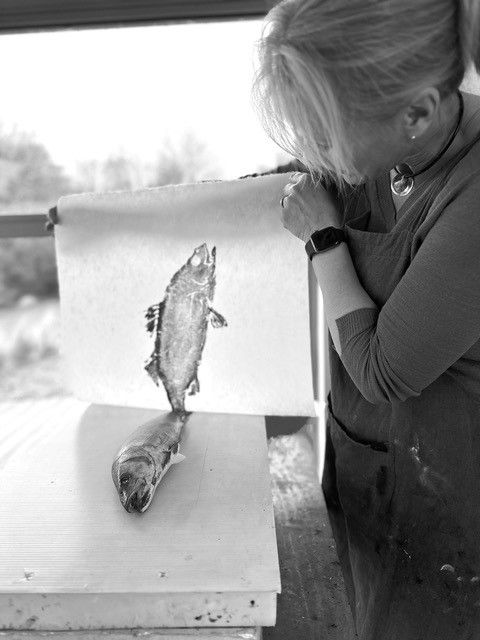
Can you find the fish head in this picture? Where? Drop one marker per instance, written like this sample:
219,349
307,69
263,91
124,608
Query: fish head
201,263
134,478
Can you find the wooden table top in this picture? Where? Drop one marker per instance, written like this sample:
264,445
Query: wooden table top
313,604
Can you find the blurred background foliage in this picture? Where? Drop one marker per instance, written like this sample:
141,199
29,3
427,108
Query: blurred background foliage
30,181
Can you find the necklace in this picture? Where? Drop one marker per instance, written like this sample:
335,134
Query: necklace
403,181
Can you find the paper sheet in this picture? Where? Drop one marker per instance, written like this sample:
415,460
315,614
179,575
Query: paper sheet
116,254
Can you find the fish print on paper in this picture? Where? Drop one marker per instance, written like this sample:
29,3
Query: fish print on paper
178,325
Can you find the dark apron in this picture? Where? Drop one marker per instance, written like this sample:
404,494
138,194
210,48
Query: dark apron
402,484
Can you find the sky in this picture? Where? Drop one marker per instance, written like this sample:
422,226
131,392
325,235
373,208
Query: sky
87,94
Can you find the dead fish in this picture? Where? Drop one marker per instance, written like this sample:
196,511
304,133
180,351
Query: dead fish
179,326
145,458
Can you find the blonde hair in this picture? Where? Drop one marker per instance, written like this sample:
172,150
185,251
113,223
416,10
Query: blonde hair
326,65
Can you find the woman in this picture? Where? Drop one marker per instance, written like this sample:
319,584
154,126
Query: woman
365,93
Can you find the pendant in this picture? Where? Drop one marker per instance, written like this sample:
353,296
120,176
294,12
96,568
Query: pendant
402,183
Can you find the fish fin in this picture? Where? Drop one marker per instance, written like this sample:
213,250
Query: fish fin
177,457
216,319
153,315
194,386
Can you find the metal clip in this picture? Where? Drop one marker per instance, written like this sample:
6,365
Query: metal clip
52,219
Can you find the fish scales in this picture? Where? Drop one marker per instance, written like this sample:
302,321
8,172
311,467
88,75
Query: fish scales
183,332
145,457
156,435
179,324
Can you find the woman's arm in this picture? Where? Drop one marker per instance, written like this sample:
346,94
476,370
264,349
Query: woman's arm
431,319
341,289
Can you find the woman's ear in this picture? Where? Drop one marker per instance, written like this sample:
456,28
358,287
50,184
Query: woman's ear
421,112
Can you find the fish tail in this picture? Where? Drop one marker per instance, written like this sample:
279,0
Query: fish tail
180,417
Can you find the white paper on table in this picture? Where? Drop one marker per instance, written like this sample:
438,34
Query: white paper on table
116,254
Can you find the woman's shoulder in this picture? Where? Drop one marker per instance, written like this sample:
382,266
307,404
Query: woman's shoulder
464,171
468,158
458,182
452,203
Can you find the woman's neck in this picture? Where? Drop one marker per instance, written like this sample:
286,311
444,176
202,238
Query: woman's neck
437,137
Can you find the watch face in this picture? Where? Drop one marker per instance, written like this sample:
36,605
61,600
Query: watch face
324,238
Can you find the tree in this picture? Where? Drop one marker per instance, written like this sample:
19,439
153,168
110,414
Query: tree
88,176
36,177
120,172
186,161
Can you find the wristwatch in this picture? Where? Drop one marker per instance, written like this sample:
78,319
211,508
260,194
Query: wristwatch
323,240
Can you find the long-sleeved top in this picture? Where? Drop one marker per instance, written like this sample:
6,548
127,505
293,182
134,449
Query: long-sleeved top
430,324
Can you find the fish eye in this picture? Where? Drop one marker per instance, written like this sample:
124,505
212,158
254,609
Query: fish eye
125,479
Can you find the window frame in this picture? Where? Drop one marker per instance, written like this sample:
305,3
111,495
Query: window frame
19,16
23,225
25,16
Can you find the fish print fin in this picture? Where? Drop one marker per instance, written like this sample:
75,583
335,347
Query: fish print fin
153,315
151,367
194,386
216,319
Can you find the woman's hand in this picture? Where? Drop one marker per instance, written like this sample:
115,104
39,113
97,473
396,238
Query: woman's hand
307,208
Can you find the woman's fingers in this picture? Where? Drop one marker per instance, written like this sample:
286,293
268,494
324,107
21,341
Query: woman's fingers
297,176
289,188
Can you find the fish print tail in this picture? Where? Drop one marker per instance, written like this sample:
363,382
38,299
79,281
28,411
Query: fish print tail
177,400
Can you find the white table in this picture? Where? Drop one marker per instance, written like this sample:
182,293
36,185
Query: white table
203,556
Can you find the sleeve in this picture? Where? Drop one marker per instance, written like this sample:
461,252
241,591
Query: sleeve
432,317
